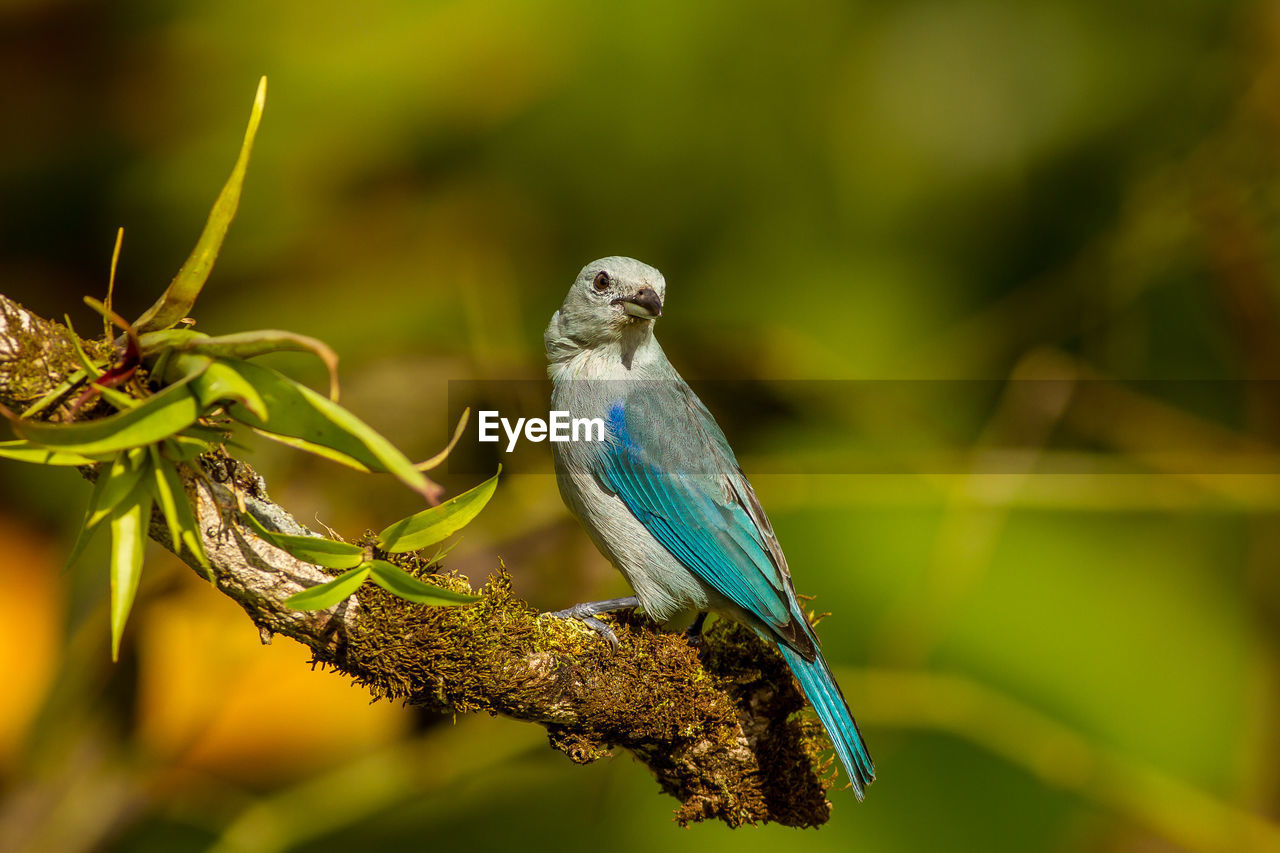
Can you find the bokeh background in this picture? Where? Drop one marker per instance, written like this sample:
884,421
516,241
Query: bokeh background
1057,622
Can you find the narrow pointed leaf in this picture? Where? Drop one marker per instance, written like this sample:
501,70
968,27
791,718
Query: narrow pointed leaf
111,283
86,529
181,294
381,454
157,417
316,449
86,364
329,594
439,522
184,530
434,461
119,399
120,478
62,388
159,367
397,581
295,410
443,551
128,541
25,451
329,553
165,494
115,319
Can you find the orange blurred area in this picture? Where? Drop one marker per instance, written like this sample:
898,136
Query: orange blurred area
213,698
30,575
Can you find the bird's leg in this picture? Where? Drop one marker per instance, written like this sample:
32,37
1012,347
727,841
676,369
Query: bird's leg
693,634
588,611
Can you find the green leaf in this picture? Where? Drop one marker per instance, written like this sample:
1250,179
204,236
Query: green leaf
86,529
151,343
329,553
156,348
181,294
434,461
294,410
119,399
329,594
207,435
128,540
63,387
111,318
316,449
157,417
186,367
443,551
184,530
221,383
184,448
86,364
166,495
397,581
439,522
159,367
244,345
111,284
120,479
25,451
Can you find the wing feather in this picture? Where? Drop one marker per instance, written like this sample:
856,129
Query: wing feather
703,520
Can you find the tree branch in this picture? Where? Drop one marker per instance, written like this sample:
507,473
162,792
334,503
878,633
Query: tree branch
716,726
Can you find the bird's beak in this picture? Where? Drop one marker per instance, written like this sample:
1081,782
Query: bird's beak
644,303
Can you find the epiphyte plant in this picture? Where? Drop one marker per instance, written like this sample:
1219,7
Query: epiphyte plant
147,404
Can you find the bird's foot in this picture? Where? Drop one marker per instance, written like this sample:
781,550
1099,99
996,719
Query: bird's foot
588,611
693,634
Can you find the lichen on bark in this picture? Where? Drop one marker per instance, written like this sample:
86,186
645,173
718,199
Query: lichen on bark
35,354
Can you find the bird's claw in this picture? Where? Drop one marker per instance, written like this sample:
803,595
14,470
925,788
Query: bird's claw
589,611
591,622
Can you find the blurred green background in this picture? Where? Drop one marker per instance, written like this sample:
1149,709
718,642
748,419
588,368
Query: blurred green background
1061,638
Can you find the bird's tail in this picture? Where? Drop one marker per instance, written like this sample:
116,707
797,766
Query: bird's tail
825,697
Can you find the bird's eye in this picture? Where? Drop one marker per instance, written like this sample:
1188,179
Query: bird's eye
601,284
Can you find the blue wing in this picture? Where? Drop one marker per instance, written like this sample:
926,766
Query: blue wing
702,511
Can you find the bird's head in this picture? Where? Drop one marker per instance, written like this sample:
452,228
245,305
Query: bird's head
611,298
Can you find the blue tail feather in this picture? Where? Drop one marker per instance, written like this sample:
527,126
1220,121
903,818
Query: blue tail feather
825,697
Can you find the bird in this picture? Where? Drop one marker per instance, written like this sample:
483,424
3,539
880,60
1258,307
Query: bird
663,496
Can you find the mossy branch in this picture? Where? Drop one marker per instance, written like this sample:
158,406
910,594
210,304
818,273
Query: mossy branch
716,727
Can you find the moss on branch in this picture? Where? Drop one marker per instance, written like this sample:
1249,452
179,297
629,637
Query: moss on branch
716,725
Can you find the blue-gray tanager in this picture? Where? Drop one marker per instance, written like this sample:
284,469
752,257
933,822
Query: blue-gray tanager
663,497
